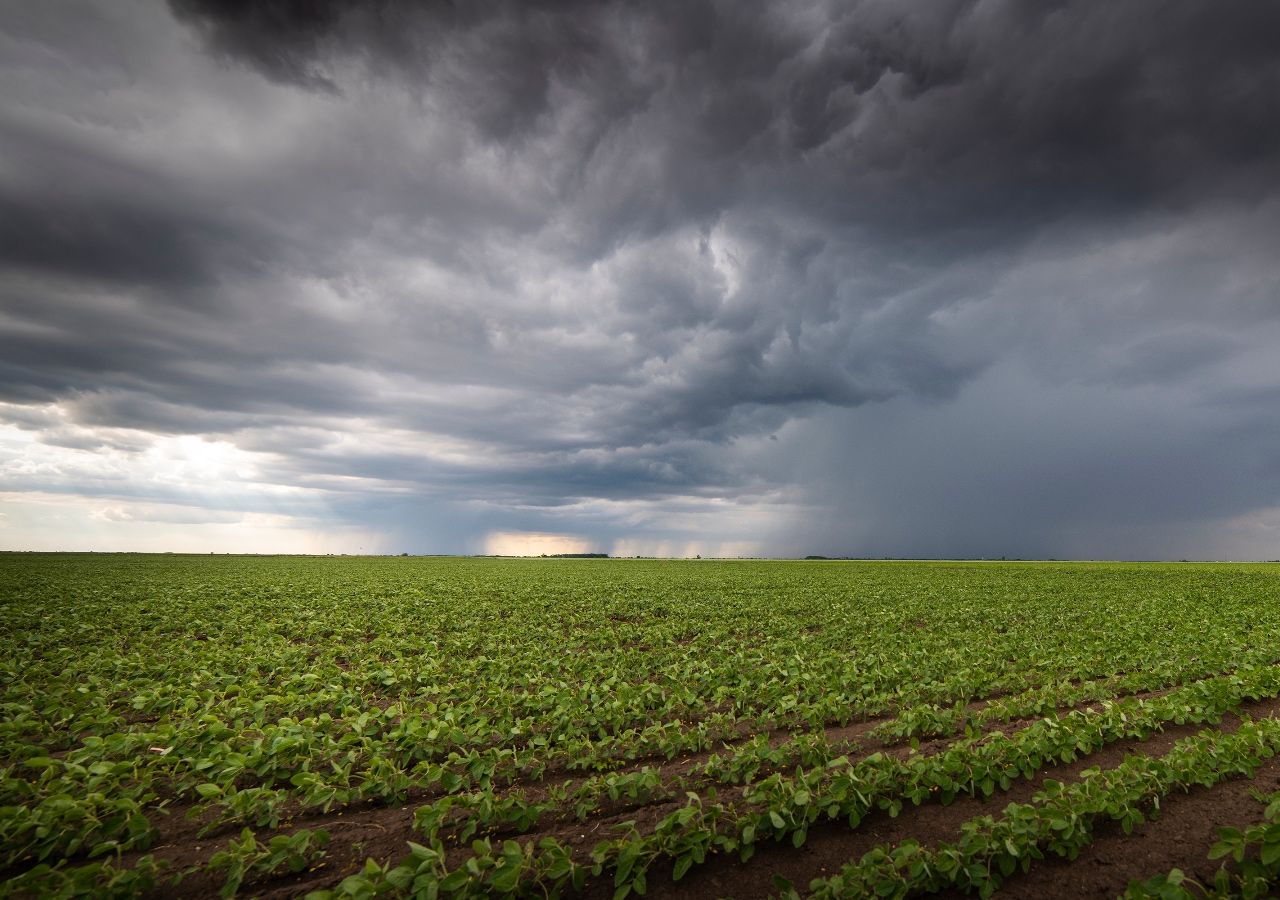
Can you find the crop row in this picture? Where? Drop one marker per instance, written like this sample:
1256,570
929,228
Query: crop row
776,806
1059,820
1255,852
781,807
84,801
249,691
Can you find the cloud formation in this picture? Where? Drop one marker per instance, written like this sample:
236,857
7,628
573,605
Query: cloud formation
961,278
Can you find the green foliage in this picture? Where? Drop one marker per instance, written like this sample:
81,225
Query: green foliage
1059,821
1254,851
99,879
249,690
283,852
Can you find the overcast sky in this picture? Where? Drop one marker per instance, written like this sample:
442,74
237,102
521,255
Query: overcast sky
878,278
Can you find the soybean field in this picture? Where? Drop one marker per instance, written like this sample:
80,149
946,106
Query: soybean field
205,726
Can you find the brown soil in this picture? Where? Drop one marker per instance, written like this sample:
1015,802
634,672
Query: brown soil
379,831
1181,835
831,845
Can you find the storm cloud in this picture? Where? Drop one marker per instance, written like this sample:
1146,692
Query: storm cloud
882,278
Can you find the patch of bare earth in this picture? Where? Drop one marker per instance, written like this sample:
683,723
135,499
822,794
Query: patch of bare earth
380,831
831,845
1180,836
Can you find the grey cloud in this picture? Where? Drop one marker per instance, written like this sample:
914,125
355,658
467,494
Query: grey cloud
76,210
174,515
535,256
281,38
1013,468
1166,357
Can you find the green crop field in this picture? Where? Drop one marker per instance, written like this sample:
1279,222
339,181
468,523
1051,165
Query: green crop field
196,726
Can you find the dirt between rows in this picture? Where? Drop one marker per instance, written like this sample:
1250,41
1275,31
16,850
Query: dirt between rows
380,832
176,827
831,845
1186,827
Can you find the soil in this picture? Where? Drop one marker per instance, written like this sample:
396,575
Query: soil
1180,837
832,845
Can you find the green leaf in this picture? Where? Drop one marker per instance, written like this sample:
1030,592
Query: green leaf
1270,854
683,864
455,880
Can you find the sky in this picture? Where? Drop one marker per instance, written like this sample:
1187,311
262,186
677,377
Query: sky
878,278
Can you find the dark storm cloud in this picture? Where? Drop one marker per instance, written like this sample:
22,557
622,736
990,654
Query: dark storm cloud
540,255
1116,99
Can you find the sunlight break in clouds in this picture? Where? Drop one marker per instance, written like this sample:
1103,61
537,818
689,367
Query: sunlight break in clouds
516,543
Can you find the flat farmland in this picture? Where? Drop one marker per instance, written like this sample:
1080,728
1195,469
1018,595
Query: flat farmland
377,726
